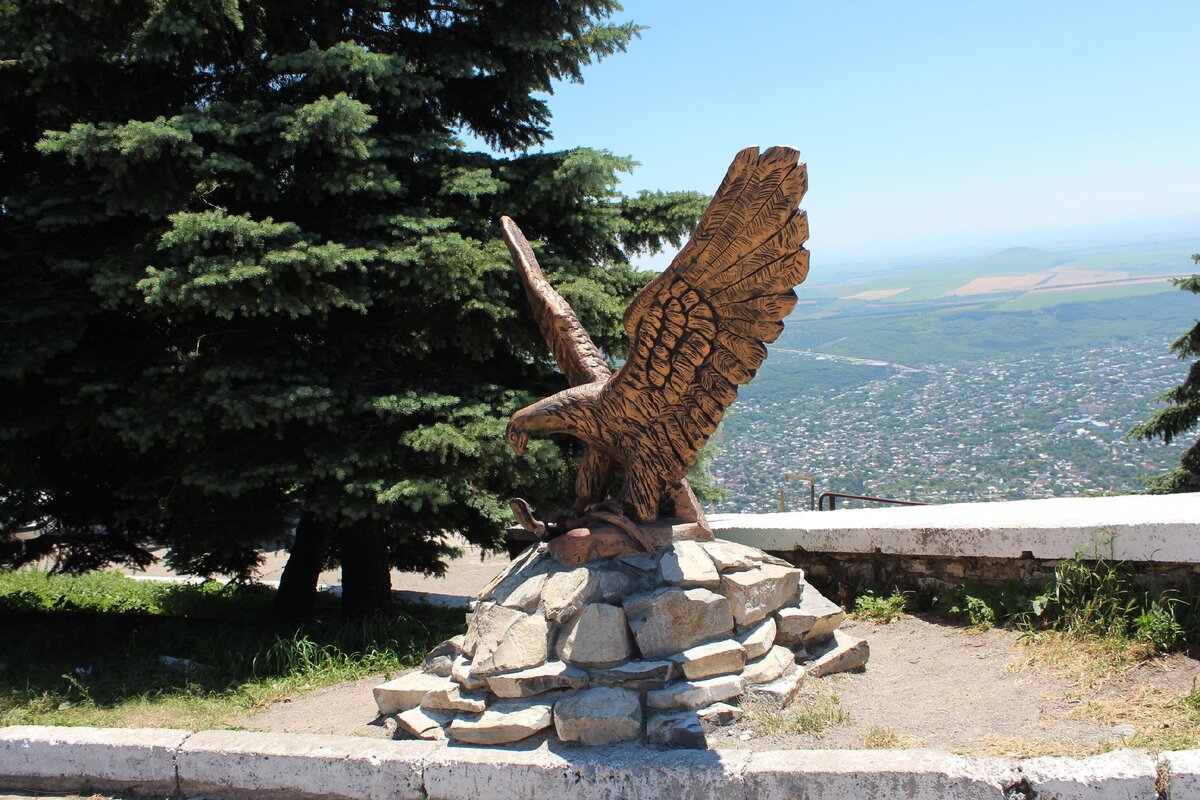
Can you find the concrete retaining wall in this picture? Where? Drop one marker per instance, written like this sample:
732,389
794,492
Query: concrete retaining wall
240,763
1150,528
931,548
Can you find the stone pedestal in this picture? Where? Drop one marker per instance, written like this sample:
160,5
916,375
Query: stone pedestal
624,647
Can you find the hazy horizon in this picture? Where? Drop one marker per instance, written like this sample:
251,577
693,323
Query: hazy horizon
1175,230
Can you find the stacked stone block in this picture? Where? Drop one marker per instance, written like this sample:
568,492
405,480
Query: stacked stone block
625,647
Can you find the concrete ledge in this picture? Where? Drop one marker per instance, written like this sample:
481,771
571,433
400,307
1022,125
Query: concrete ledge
580,773
846,774
240,763
1119,775
41,758
1152,528
234,763
1183,774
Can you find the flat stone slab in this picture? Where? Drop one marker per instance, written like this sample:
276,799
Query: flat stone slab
533,561
770,667
757,641
782,691
718,715
538,680
636,674
243,764
843,653
407,691
598,716
687,564
453,698
565,593
696,694
440,660
505,721
678,729
425,723
755,593
639,561
526,595
616,585
733,556
669,621
721,657
460,673
507,640
597,636
1123,773
814,617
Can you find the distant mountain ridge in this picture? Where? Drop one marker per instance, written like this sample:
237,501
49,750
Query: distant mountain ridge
1179,229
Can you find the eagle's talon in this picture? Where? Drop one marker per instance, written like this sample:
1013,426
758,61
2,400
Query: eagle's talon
525,518
629,527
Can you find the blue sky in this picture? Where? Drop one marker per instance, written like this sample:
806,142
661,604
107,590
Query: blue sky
926,126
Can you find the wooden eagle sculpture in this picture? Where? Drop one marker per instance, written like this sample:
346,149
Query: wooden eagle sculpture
696,333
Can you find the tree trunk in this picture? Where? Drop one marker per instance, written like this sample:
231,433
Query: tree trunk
298,583
366,574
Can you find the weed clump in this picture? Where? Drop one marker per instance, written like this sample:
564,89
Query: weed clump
1093,597
880,609
812,714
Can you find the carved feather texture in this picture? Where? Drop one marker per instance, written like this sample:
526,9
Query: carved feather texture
697,330
574,352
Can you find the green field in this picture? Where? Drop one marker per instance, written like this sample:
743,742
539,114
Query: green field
1032,301
919,326
928,283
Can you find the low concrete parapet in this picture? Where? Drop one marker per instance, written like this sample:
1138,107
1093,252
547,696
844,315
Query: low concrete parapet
581,773
916,774
1119,775
237,763
938,546
1139,527
1182,770
242,763
137,760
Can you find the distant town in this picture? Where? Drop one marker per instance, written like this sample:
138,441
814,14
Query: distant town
1032,425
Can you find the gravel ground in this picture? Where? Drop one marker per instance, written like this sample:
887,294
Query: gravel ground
927,684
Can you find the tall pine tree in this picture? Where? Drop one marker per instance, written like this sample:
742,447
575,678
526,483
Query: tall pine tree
1182,412
253,280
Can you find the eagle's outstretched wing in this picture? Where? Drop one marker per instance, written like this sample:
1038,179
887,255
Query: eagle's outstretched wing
577,356
697,330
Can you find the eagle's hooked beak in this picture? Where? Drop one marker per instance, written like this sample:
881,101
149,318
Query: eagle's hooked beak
517,439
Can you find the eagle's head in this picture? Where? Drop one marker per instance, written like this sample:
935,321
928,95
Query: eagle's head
565,412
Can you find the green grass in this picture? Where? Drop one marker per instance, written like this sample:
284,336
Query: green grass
90,650
812,713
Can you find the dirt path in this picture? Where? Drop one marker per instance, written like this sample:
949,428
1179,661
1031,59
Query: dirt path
932,684
927,684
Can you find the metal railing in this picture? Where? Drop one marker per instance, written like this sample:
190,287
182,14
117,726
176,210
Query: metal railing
834,495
